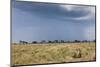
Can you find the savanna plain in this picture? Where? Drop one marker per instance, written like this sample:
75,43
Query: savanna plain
24,54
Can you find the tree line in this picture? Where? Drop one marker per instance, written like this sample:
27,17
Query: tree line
55,41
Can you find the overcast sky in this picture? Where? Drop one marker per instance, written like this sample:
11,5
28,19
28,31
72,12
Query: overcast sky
40,21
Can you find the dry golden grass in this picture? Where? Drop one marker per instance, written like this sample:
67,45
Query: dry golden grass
52,53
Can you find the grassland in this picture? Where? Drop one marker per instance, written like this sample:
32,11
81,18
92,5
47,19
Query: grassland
52,53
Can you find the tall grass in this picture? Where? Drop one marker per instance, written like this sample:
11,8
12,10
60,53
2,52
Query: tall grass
52,53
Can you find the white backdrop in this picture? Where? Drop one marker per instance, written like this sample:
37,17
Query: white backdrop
5,33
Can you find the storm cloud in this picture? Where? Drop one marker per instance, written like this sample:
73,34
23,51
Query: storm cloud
45,21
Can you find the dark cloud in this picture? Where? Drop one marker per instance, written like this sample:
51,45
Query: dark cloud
51,10
42,21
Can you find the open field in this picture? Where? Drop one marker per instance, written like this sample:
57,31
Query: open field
52,53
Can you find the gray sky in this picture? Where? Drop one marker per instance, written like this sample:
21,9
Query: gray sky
40,21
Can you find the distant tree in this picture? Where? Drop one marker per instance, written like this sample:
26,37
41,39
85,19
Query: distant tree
56,41
23,42
34,42
43,41
76,41
50,41
84,41
62,41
